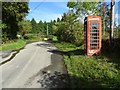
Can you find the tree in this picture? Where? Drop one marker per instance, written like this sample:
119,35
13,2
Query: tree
3,36
12,13
25,27
70,29
2,26
34,26
104,12
55,27
83,8
40,27
58,19
45,27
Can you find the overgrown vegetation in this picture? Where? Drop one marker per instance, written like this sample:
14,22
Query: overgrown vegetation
89,72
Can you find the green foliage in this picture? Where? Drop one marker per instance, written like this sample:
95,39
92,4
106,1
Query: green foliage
38,28
41,27
89,72
25,27
34,25
55,27
2,26
58,19
117,31
104,12
70,29
33,37
83,7
12,13
3,36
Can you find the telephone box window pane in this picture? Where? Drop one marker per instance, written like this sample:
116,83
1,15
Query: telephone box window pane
94,25
94,35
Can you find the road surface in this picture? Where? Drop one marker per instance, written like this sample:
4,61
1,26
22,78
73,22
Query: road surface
33,67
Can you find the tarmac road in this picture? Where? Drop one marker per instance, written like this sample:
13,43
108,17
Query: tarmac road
33,67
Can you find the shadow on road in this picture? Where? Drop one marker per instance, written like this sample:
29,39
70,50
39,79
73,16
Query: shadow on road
44,45
55,75
55,80
69,53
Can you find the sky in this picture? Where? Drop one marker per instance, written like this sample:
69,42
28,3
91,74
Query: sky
47,11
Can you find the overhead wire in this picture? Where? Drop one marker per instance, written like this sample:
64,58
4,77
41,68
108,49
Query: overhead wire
36,7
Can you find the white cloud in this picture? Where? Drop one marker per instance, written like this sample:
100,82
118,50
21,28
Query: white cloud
37,21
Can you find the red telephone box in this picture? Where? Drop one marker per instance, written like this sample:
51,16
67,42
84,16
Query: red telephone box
92,35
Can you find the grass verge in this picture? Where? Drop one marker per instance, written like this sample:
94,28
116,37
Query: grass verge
20,43
13,45
89,72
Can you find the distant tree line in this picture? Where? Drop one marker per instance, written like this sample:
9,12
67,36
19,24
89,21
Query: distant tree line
42,26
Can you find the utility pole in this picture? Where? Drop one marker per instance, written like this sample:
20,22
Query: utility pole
47,29
112,22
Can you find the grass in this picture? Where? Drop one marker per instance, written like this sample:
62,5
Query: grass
20,43
33,37
89,72
13,45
